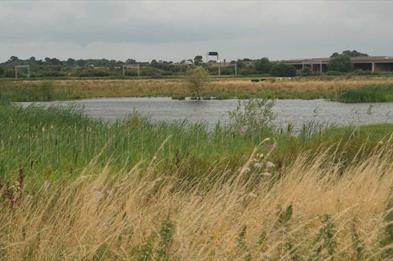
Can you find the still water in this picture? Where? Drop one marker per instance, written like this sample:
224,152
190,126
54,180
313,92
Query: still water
295,112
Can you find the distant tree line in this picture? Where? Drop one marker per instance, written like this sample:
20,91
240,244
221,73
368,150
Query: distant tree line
53,67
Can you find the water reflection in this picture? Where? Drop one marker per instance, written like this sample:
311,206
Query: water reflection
294,112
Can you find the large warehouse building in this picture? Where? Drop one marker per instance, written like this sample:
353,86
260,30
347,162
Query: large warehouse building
367,63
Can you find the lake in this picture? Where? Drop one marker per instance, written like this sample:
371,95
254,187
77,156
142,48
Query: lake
295,112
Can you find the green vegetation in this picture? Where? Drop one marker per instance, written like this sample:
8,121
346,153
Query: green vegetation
283,70
198,60
73,187
340,63
196,78
349,53
113,69
45,91
55,142
263,66
382,93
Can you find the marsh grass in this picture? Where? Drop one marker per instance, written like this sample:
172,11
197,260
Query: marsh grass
305,211
44,91
73,188
382,93
60,142
325,87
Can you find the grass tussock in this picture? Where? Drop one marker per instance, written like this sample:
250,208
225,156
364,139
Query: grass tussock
307,211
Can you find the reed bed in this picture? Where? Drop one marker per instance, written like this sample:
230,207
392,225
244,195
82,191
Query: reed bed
59,142
367,94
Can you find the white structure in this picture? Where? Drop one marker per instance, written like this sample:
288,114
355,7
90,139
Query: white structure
135,66
17,67
212,54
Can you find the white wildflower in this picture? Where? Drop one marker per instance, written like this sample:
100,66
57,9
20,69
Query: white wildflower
99,195
257,165
246,170
266,174
270,164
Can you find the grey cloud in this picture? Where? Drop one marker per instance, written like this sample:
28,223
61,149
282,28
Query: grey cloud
172,30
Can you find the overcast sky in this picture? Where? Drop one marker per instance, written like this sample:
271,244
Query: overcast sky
175,30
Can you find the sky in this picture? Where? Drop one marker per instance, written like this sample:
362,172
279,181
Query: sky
176,30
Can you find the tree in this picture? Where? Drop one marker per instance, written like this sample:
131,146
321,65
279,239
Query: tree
354,53
340,63
196,78
13,60
1,71
70,62
306,71
263,65
153,62
349,53
131,61
80,62
198,60
283,70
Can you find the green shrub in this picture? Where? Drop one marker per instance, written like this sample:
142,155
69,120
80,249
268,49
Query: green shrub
8,73
263,66
196,78
340,63
367,94
361,72
255,118
283,70
334,73
306,72
325,243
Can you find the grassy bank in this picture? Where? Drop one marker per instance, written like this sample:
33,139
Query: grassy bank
72,188
326,87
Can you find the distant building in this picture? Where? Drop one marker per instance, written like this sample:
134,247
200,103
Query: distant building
366,63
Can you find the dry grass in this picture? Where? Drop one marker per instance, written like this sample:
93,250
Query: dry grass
312,211
306,84
223,88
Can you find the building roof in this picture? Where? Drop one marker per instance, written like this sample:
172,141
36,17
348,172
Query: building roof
359,59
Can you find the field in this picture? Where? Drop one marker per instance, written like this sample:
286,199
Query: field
326,87
73,188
